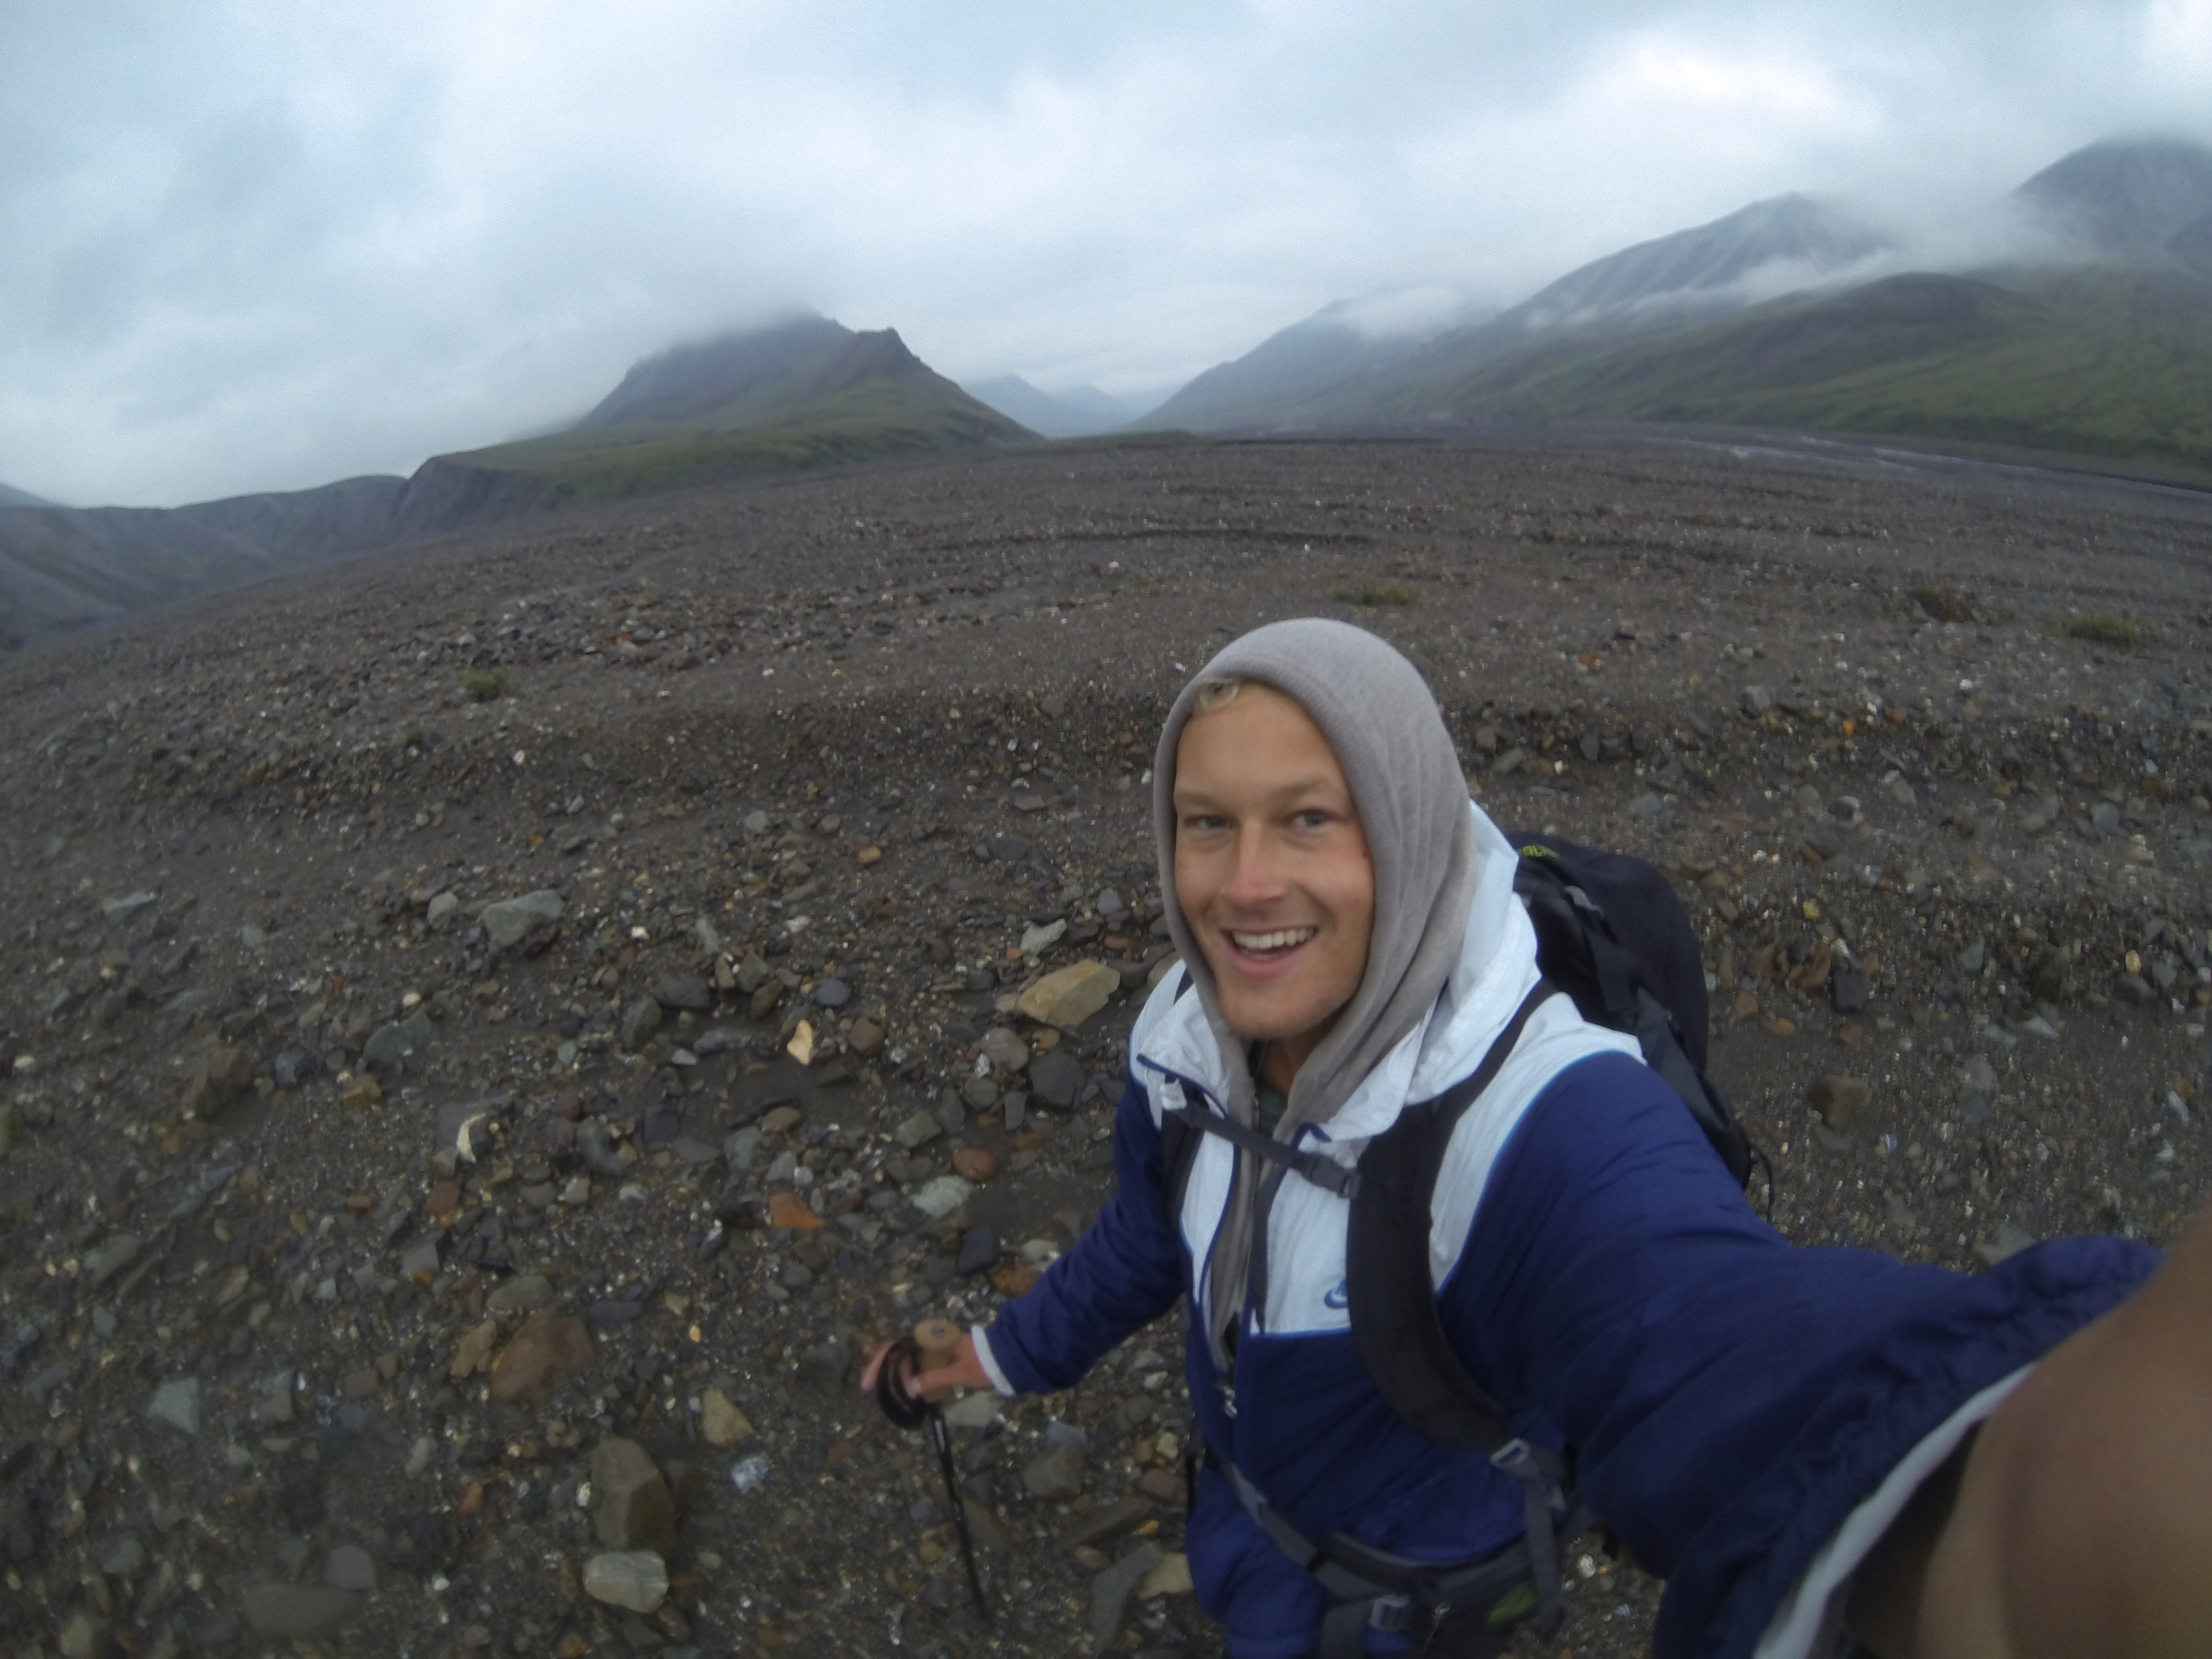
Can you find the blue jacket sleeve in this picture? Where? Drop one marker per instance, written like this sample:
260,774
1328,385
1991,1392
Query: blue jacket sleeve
1731,1397
1123,1274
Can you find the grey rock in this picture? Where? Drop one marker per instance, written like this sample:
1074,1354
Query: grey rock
1970,959
1110,905
121,910
685,995
1110,1591
766,995
2136,988
509,922
350,1567
631,1506
440,910
640,1022
1005,1048
1056,1471
1043,937
1850,990
741,1149
110,1259
832,993
391,1048
272,1402
1756,700
2105,818
1056,1080
753,973
596,1147
980,1093
1978,1076
1014,1104
2038,1026
951,1114
420,1257
2008,1240
979,1249
300,1611
176,1402
1646,806
636,1579
939,1198
121,1557
918,1130
521,1294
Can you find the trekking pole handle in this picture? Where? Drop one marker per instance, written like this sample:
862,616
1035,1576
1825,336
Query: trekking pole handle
939,1342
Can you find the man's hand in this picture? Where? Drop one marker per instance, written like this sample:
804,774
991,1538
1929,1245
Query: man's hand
963,1370
2082,1524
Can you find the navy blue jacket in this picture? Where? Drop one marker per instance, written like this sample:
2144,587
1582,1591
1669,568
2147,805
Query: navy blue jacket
1731,1398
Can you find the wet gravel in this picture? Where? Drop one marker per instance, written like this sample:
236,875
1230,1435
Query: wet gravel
495,1032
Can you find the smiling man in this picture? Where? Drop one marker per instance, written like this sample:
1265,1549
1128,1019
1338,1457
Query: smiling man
1790,1437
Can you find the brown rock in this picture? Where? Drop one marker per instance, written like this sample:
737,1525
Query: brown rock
721,1420
631,1506
473,1351
781,1122
1015,1278
545,1353
444,1199
788,1209
1068,996
1841,1100
1163,1483
976,1163
866,1038
764,999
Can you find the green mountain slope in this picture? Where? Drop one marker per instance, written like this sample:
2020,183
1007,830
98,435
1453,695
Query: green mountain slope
64,567
2100,361
807,394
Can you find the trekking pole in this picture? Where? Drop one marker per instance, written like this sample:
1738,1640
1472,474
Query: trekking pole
929,1345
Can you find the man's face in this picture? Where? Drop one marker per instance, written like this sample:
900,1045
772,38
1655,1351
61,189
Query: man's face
1271,868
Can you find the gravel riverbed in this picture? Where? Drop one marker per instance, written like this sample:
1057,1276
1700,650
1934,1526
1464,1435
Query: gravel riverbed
493,1033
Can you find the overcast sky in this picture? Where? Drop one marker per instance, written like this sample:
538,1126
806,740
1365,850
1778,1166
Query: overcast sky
253,244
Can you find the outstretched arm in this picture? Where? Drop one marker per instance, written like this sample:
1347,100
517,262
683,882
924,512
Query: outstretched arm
2082,1526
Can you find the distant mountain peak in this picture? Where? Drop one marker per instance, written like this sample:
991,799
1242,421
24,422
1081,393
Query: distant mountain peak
2127,199
1778,246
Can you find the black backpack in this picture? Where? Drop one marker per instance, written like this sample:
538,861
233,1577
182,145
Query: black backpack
1612,936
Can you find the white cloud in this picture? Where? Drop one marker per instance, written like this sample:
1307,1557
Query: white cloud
247,244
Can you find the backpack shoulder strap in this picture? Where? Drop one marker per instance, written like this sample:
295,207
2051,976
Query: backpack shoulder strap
1394,1305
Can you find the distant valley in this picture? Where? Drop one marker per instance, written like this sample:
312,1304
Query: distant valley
2089,340
800,394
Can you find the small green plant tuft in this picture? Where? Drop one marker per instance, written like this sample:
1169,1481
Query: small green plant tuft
2098,628
1944,603
1376,594
483,684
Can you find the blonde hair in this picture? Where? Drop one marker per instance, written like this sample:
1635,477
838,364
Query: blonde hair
1215,695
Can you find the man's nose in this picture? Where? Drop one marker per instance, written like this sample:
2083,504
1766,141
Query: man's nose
1256,878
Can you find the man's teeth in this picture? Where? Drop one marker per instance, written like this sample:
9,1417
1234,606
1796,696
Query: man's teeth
1263,944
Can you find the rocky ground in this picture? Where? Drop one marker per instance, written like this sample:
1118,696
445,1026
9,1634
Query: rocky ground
493,1033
